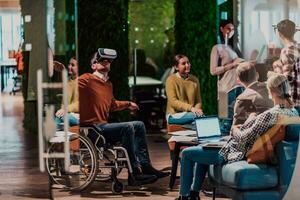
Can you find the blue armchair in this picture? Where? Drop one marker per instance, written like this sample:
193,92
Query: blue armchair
241,180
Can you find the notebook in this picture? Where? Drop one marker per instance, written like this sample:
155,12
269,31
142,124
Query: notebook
208,131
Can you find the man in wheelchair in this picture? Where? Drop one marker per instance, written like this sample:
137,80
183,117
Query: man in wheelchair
96,101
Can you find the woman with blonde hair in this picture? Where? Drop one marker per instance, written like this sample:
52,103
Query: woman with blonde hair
240,142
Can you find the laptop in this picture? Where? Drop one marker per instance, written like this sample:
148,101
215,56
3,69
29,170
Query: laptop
208,131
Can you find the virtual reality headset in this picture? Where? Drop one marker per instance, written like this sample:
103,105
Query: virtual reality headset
106,54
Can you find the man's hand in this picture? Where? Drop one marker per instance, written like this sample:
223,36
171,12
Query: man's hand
196,111
235,128
253,114
132,106
238,126
60,113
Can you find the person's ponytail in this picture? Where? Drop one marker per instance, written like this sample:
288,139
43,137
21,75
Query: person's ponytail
279,84
285,87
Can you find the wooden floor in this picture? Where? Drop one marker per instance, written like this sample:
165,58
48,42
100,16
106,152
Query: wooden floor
21,179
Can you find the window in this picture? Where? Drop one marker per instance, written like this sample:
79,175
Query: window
10,33
257,18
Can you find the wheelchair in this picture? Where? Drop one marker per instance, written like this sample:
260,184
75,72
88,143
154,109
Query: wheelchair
89,161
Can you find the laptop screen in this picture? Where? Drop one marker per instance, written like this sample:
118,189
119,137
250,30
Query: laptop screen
207,127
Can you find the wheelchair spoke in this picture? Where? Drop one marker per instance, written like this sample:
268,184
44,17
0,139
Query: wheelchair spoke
83,166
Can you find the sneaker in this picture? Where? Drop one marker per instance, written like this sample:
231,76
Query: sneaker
183,198
208,192
137,178
194,195
150,170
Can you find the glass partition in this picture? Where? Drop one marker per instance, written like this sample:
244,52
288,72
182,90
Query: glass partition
61,29
61,46
151,39
257,18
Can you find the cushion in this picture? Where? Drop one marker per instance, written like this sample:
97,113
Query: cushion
74,144
244,176
262,150
286,153
175,127
250,195
292,132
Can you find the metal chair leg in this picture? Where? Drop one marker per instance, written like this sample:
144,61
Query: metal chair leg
50,184
214,193
175,160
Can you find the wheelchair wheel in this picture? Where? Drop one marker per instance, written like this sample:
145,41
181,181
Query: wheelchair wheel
83,165
117,187
106,167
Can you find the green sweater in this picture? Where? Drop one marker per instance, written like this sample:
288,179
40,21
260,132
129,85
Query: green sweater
182,94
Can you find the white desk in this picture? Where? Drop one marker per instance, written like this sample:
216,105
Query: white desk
143,81
183,136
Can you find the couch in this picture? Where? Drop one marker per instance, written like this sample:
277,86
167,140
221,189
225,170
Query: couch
240,180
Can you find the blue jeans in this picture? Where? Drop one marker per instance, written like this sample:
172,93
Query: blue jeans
194,165
132,135
187,118
73,121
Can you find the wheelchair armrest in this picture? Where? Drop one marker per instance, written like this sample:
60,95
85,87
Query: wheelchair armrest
94,133
91,126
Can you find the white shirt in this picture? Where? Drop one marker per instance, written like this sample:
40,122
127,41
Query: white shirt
101,76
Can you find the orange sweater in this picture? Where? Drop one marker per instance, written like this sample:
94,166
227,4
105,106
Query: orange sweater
96,100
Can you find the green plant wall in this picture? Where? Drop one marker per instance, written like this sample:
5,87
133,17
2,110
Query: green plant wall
103,23
64,26
149,25
226,7
230,7
195,34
